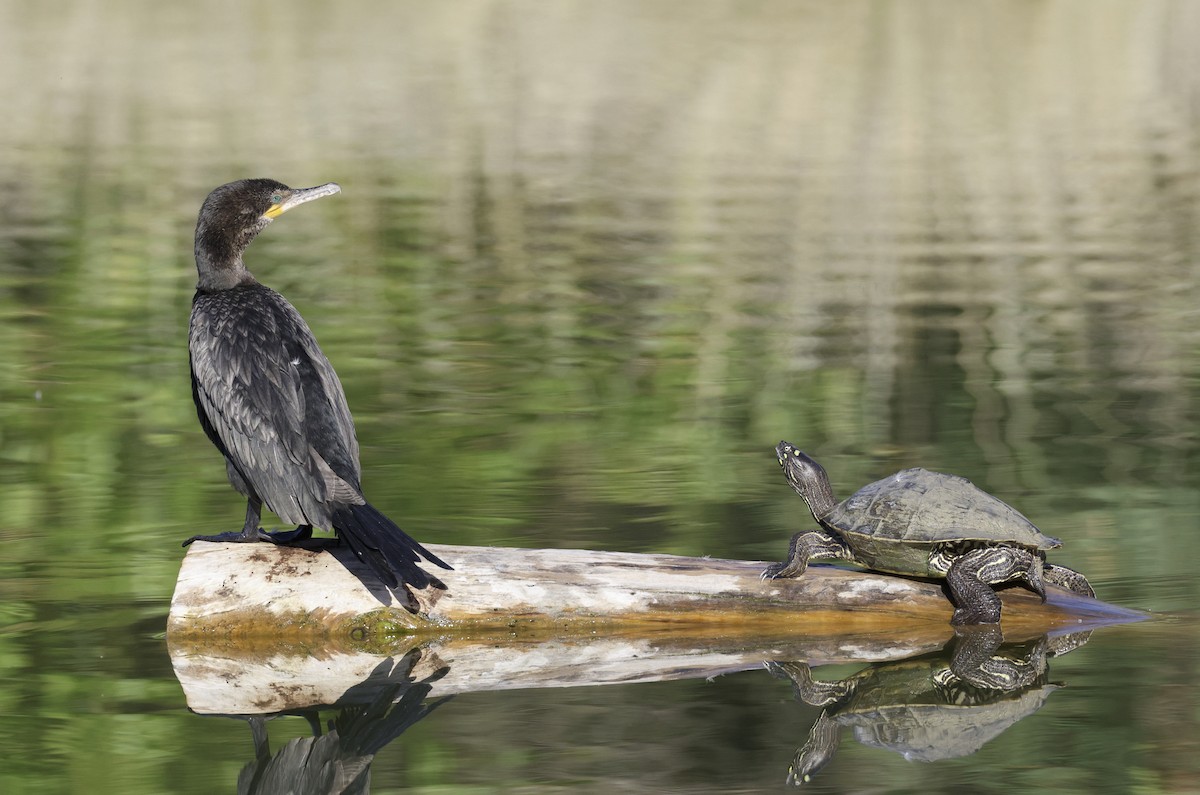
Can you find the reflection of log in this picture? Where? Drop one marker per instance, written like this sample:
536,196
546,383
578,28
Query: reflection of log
232,593
250,681
231,682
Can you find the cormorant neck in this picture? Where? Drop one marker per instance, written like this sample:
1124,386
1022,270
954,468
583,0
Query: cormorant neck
219,250
224,278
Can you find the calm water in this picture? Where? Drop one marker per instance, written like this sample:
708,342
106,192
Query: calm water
591,262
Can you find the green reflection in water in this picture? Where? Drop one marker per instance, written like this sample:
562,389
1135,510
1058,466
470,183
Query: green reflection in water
589,266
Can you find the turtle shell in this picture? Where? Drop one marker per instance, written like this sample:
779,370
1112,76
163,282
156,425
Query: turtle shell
894,524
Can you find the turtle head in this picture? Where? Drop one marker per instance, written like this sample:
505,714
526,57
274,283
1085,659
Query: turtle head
807,478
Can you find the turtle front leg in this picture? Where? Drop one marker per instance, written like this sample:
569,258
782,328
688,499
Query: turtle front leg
822,744
971,577
811,545
824,736
1069,579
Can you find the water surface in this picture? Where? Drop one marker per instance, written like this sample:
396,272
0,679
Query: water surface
590,263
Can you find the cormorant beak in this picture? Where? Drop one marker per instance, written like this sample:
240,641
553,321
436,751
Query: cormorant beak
299,196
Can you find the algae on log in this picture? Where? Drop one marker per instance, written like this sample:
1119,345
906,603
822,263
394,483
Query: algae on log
319,595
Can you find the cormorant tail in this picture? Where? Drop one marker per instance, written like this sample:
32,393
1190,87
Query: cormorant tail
390,552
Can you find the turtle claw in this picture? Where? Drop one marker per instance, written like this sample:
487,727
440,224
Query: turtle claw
772,572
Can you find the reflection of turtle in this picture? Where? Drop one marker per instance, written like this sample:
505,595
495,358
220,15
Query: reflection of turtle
926,708
924,524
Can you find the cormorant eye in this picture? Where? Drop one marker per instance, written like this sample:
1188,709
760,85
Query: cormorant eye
276,198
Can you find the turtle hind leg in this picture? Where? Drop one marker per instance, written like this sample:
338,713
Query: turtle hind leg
811,545
971,577
976,662
1069,579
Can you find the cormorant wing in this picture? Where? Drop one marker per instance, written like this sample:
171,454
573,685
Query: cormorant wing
274,402
328,423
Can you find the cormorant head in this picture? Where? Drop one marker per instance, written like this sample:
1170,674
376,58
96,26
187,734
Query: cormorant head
232,216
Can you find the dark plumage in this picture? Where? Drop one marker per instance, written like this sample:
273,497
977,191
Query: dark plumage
270,400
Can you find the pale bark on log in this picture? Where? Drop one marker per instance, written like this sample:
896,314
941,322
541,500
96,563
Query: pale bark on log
261,594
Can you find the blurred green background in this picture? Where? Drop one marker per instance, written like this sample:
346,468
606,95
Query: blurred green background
590,263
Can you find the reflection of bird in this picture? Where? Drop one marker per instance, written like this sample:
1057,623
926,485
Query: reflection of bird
270,400
340,761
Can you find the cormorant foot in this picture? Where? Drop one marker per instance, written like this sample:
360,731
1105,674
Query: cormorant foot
221,538
301,533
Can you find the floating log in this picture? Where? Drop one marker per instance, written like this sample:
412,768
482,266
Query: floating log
320,596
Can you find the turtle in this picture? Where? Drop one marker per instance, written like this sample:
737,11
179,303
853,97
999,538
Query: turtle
919,523
936,706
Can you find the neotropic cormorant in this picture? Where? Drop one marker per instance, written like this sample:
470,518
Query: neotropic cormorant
270,400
